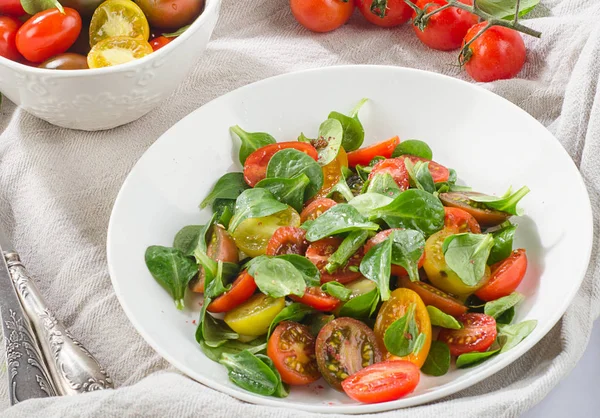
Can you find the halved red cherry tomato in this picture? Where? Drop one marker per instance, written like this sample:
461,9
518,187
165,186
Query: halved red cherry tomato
316,208
221,247
11,8
241,290
292,349
477,334
345,346
364,156
434,297
394,167
482,214
48,33
159,42
461,220
438,171
319,252
396,12
316,298
506,276
255,167
380,237
287,240
8,33
383,382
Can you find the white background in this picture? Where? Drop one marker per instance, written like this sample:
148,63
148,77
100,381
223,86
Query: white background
578,395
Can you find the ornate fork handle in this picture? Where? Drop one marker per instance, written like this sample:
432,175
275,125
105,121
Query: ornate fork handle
72,368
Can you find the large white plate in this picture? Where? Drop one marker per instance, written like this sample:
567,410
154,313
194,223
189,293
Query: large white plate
489,141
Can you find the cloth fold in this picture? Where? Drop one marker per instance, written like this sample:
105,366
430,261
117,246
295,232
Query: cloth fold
57,188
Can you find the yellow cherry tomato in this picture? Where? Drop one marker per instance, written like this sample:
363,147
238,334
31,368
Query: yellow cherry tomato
115,51
253,317
332,173
118,18
438,272
252,235
396,307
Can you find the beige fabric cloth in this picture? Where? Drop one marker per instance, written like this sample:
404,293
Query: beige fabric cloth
57,188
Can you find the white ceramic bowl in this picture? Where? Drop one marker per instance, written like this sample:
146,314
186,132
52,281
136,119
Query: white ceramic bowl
465,125
104,98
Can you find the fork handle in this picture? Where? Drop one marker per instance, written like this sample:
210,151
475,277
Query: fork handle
72,368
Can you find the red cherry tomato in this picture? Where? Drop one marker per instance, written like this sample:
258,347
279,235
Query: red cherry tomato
159,42
241,290
383,382
11,8
477,334
319,252
434,297
499,53
316,208
461,220
506,277
396,12
322,15
439,173
446,29
8,32
287,240
292,349
394,167
380,237
48,33
316,298
255,167
364,156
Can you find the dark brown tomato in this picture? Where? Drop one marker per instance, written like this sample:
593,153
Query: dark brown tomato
485,216
344,346
221,247
66,61
171,14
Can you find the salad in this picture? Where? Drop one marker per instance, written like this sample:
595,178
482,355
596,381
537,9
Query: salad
365,266
81,34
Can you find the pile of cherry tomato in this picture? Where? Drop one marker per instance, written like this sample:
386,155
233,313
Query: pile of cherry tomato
499,53
91,33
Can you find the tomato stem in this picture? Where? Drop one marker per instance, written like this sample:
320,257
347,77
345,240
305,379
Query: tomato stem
465,52
517,10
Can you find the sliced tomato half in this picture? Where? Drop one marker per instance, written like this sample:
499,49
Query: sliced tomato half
364,156
477,334
316,298
506,276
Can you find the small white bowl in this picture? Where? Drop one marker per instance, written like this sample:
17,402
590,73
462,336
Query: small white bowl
105,98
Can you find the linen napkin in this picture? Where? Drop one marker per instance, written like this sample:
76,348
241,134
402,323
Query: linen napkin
57,188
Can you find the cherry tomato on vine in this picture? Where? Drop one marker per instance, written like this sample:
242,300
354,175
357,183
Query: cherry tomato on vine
287,240
506,277
395,308
316,208
316,298
499,53
345,346
255,167
8,33
11,8
322,15
158,43
395,12
364,156
292,349
461,220
394,167
382,382
171,14
477,334
446,29
48,33
241,290
319,252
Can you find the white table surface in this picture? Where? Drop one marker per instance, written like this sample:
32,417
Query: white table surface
578,395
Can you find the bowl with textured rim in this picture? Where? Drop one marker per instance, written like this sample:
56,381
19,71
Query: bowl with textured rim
162,192
104,98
